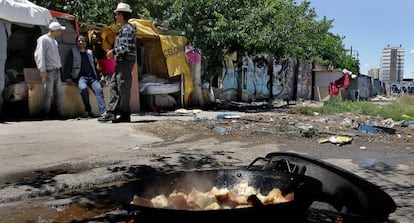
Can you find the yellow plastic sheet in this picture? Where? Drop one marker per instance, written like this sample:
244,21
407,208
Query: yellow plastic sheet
337,140
145,28
173,49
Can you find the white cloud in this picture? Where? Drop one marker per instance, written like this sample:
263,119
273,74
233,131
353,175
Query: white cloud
412,51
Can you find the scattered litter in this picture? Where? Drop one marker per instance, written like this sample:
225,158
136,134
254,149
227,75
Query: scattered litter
381,98
188,111
306,130
388,123
337,140
345,121
367,128
408,123
136,148
227,116
219,129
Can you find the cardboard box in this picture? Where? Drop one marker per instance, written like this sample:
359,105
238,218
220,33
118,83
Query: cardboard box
71,105
31,74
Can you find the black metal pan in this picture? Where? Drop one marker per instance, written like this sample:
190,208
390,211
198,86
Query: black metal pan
304,188
340,188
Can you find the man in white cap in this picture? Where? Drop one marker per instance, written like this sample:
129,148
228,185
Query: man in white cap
124,52
48,61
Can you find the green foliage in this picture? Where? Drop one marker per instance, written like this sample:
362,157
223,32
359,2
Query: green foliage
407,100
401,109
92,11
282,28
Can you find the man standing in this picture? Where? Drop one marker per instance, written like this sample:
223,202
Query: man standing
124,52
82,69
48,62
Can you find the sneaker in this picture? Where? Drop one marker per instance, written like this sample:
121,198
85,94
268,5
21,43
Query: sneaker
122,119
107,117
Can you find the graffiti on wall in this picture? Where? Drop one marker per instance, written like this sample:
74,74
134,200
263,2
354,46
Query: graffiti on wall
402,88
253,78
230,72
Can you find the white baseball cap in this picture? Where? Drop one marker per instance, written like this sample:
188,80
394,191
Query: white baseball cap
56,26
123,7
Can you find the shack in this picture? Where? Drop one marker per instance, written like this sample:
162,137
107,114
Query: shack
162,76
20,24
23,22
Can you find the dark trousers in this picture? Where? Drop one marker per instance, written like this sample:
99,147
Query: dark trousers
120,88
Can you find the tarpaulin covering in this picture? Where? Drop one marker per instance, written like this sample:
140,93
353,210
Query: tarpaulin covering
343,82
145,28
24,12
173,49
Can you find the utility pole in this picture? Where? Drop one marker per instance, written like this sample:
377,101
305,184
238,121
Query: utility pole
354,53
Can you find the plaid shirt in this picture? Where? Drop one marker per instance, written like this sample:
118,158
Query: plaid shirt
125,41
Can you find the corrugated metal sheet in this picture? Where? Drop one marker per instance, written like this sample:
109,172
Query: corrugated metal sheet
304,86
293,80
361,88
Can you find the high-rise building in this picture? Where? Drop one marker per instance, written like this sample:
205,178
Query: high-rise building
374,72
392,64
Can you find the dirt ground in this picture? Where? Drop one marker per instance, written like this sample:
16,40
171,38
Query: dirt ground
93,154
287,128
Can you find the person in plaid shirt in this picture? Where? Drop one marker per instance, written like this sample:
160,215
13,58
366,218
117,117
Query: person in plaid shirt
124,52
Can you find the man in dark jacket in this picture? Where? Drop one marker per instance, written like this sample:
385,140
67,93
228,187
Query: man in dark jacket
81,68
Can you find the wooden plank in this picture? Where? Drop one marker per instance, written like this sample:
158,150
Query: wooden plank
319,93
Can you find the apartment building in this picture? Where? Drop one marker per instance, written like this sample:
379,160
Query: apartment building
374,72
392,64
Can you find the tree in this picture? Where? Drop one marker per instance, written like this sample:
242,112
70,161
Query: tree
281,28
278,27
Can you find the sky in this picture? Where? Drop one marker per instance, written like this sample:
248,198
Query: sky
370,25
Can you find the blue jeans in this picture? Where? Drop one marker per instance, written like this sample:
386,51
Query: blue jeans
83,84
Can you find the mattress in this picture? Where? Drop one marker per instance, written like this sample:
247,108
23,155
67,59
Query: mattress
150,88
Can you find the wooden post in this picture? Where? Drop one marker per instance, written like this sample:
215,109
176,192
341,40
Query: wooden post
134,102
182,89
196,73
319,93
